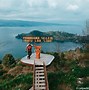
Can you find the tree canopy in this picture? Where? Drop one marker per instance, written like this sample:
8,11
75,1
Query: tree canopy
8,60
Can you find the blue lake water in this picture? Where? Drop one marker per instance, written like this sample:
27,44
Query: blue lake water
16,47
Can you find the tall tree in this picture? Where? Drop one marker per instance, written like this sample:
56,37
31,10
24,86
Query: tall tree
87,27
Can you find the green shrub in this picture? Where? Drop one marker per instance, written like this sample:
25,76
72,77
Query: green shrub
0,61
1,66
55,79
21,82
2,72
8,60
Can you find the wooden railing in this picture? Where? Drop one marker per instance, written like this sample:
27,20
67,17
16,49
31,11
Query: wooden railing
46,80
34,76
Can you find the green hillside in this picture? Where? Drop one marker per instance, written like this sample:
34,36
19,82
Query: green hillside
57,36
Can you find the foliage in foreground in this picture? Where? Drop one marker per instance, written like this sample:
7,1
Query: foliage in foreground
21,82
8,60
63,74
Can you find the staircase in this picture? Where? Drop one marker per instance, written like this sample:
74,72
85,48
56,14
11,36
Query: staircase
40,81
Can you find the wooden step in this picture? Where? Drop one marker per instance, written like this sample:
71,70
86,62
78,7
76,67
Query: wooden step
40,84
38,62
39,74
40,88
39,71
40,81
40,77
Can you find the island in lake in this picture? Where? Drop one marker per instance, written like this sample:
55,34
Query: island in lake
38,36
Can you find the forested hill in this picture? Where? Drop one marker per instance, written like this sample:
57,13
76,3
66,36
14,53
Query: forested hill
57,35
62,36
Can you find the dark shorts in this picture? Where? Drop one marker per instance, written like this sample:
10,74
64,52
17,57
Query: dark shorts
29,53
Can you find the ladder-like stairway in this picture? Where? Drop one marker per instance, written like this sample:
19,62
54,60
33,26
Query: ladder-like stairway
40,81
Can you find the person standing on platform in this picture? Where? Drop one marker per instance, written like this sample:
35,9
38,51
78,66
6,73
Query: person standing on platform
29,50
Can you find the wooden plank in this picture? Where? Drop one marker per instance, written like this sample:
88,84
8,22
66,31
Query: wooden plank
40,88
39,74
39,71
37,68
40,77
40,84
41,81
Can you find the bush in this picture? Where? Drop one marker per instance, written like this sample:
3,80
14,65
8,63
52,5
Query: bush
21,82
0,62
2,72
8,60
55,79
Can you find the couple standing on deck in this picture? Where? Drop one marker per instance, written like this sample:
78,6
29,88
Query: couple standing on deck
29,50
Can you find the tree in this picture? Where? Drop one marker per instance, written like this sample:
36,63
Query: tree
85,37
87,27
8,60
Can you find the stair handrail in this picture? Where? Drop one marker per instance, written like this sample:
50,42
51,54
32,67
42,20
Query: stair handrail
34,76
45,73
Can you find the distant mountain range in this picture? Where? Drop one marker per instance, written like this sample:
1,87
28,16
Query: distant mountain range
20,23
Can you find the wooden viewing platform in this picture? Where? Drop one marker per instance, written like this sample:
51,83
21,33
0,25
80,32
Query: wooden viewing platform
43,57
39,61
40,81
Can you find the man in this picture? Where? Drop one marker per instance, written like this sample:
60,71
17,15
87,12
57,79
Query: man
29,50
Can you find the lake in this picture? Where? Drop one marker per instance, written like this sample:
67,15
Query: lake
16,47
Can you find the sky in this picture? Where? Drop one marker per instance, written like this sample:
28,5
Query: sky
45,10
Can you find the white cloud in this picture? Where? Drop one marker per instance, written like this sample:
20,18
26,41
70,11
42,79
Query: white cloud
5,4
36,3
72,7
52,3
44,9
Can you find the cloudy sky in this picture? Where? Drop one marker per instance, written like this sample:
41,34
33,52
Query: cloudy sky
45,10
